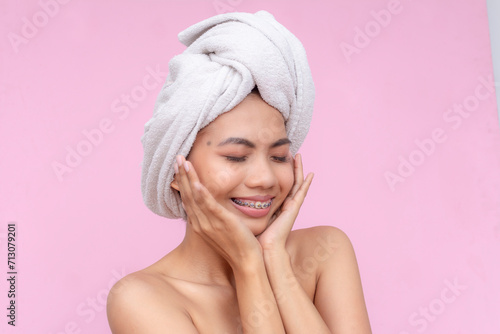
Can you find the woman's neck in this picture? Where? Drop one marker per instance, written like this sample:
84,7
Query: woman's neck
196,261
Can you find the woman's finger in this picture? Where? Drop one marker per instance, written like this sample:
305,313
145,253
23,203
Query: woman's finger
299,197
298,175
183,181
194,214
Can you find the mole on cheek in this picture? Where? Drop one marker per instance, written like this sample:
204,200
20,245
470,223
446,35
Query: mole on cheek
209,143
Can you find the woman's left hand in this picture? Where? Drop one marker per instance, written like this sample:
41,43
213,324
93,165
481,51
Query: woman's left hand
276,234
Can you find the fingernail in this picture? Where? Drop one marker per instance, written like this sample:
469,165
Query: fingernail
186,167
176,168
179,160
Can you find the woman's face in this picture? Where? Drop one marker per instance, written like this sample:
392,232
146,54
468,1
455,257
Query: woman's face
243,159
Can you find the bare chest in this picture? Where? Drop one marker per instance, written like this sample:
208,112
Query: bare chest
215,310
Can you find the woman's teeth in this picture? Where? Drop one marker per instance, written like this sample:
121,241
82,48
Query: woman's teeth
254,205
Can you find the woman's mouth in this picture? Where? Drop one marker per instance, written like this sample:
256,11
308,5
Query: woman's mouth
253,204
253,208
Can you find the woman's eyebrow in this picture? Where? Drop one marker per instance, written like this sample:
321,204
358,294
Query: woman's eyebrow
248,143
280,142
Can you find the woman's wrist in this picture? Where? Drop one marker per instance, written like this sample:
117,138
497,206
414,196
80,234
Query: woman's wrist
276,257
248,264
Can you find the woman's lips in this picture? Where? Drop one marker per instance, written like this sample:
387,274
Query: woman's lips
249,209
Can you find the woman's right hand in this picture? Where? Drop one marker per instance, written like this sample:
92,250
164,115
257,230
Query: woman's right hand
223,230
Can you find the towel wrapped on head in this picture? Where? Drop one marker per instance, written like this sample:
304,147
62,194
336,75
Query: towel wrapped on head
226,57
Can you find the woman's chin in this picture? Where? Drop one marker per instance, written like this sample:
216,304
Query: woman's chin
257,231
257,225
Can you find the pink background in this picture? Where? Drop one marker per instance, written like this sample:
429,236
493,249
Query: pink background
439,225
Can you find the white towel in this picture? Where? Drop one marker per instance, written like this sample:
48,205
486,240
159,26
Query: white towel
226,56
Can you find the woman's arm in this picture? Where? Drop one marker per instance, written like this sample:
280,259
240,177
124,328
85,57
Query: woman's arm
339,293
339,305
258,309
297,311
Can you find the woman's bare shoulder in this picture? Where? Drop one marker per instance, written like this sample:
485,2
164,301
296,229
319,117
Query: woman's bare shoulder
314,249
141,296
138,285
314,241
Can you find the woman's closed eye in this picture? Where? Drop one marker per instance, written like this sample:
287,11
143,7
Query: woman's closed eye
242,159
235,159
281,158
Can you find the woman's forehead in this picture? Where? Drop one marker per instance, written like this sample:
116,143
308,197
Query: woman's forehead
252,115
255,127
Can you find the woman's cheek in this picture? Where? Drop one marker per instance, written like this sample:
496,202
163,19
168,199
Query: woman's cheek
215,181
220,179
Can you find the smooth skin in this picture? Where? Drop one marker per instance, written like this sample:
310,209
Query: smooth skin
234,273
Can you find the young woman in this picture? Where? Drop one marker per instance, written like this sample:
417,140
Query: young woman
240,267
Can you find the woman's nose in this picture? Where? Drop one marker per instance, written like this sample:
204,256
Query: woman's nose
261,174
